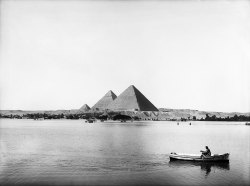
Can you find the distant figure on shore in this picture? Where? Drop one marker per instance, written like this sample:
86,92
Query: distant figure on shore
207,152
189,123
178,123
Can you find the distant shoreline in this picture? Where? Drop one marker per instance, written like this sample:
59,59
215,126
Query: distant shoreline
162,115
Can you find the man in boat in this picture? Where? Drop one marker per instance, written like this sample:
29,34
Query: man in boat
206,152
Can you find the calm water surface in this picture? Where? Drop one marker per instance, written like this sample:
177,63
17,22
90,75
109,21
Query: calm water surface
68,152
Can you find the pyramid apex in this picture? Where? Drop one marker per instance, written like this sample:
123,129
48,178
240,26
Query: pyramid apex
132,87
85,107
110,93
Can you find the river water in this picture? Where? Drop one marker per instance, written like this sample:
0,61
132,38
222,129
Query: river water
72,152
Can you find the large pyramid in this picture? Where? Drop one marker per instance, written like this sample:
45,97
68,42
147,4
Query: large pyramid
132,99
85,107
103,103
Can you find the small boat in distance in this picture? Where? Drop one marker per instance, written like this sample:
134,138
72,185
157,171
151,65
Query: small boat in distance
196,157
247,123
90,120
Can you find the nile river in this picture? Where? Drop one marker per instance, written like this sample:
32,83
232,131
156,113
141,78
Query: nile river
72,152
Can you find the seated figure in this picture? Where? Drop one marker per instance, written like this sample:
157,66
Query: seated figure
206,152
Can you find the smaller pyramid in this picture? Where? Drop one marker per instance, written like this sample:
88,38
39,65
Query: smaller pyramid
103,103
85,107
132,99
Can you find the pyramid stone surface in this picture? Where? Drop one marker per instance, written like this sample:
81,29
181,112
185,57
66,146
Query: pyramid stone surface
132,99
103,103
85,107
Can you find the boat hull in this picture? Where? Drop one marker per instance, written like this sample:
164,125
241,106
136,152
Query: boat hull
224,165
189,157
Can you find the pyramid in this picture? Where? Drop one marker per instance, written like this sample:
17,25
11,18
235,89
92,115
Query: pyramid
103,103
132,99
85,107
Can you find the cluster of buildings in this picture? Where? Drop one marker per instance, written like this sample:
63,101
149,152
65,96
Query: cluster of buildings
130,99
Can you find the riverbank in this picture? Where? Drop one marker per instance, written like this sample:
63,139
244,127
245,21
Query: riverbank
162,115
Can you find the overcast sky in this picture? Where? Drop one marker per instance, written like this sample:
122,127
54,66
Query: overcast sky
179,54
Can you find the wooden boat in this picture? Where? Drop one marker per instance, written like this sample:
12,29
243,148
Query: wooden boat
196,157
90,121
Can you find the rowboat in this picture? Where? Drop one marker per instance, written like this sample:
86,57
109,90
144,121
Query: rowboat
197,157
90,121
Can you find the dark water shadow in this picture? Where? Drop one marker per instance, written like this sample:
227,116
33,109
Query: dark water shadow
205,166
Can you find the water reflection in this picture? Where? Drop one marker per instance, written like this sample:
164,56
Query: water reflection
205,166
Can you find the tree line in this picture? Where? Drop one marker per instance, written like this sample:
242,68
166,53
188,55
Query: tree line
233,118
111,115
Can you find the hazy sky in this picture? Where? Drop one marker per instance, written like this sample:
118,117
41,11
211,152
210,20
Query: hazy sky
179,54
